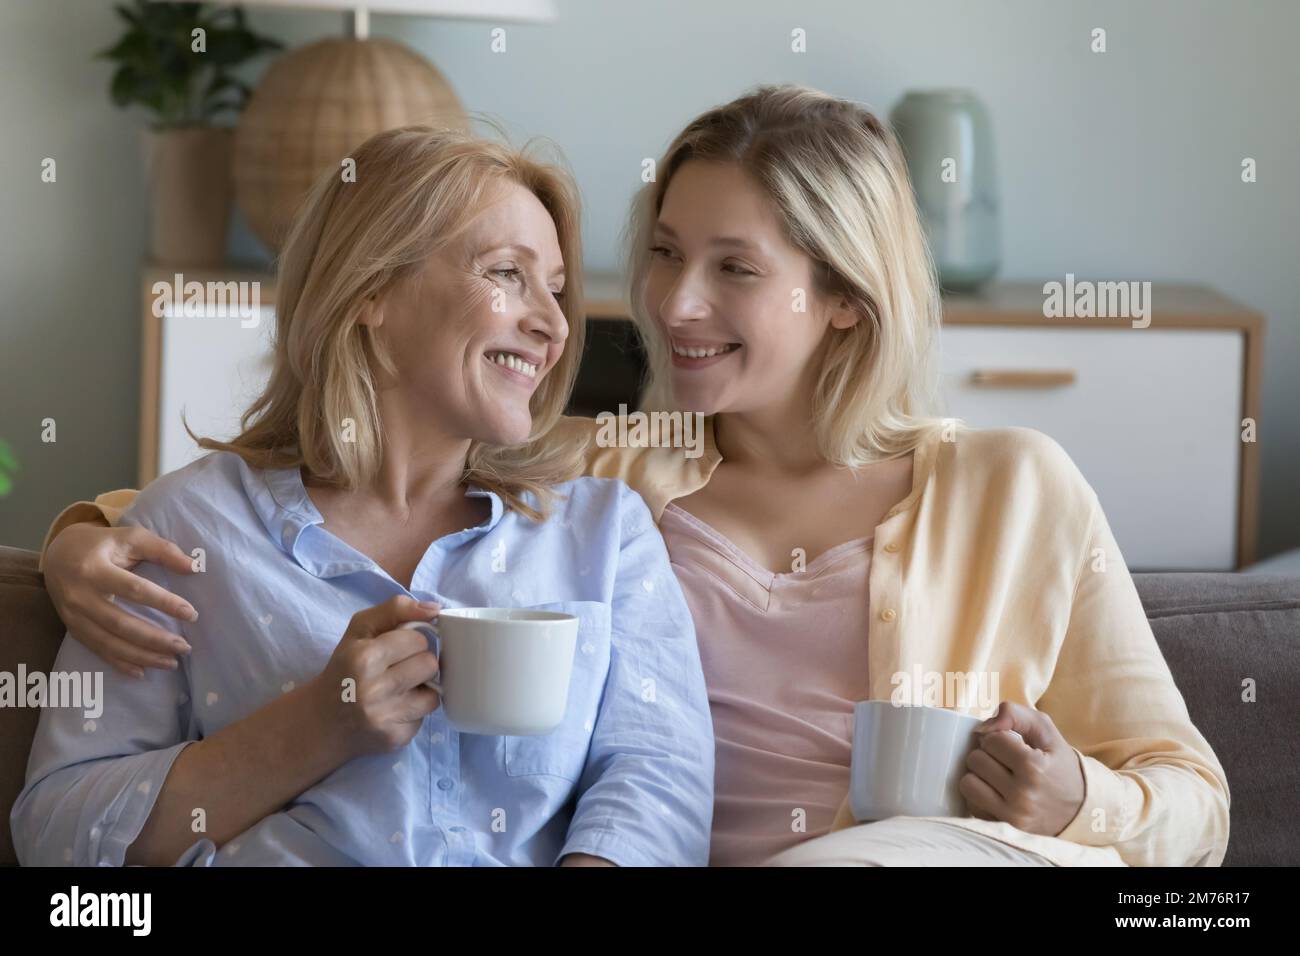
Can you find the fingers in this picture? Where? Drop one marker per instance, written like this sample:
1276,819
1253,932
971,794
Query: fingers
423,701
392,648
1009,749
138,590
1034,726
991,772
127,670
413,671
1003,719
143,545
108,645
128,627
389,616
981,799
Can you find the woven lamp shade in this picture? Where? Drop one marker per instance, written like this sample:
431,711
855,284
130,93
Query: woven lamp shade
316,104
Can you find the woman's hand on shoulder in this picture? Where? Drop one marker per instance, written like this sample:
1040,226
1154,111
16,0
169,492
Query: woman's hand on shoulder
86,565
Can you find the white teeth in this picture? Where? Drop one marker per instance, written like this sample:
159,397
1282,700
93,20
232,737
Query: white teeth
702,353
513,362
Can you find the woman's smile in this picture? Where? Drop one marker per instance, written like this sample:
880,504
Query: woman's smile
697,354
517,368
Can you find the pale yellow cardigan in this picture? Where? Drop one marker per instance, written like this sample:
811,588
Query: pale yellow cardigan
1001,561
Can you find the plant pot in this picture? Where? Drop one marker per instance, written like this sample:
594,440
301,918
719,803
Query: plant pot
189,193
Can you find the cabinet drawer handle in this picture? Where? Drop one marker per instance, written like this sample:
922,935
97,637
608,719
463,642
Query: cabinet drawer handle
1021,378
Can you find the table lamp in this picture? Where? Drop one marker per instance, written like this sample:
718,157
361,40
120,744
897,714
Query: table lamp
319,101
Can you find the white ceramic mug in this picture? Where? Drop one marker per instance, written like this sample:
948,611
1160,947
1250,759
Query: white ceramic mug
907,760
502,671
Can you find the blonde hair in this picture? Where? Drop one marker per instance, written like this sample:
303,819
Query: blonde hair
416,188
838,182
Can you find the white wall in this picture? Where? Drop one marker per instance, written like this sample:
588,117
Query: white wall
69,262
1121,165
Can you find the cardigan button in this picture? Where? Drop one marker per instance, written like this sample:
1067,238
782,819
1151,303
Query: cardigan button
888,614
891,547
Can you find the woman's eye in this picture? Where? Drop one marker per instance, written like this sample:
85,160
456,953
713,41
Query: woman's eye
737,270
661,251
507,273
559,297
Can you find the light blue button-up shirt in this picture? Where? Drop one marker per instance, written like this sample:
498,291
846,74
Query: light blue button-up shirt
628,775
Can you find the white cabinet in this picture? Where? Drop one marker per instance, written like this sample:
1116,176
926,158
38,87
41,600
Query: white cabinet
212,369
1151,417
208,366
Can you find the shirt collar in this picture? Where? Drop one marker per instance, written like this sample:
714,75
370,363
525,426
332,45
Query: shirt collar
923,460
286,510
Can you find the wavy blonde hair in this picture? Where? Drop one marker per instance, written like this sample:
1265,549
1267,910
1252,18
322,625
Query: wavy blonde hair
416,188
838,181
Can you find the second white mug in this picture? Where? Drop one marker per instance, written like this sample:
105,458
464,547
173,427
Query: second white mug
908,760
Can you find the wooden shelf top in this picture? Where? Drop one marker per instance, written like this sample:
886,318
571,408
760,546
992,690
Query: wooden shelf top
1018,302
1176,304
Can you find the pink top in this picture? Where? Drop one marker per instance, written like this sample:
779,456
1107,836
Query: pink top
785,660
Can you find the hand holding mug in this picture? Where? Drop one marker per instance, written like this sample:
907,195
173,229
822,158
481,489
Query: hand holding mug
1023,772
373,688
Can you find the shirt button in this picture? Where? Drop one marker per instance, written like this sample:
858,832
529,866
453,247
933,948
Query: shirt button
437,737
888,614
445,783
891,547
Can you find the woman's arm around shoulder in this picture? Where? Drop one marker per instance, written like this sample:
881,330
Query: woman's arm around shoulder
104,512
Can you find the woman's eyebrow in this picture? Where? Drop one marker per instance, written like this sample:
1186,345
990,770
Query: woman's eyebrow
528,252
736,241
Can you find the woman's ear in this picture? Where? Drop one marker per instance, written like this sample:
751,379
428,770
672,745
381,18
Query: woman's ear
843,314
372,313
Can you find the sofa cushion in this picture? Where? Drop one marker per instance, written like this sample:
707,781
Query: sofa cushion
30,635
1218,632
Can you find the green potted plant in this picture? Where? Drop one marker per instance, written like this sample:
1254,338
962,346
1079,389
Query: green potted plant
176,60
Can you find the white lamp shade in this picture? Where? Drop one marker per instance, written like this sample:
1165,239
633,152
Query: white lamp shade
520,10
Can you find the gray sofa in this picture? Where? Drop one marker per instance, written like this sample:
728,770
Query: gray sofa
1216,631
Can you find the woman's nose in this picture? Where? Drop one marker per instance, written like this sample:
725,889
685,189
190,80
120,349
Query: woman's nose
548,320
682,303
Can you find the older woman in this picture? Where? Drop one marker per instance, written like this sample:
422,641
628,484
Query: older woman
837,541
425,332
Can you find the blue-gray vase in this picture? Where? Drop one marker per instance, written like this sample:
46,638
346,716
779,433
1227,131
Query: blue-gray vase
948,140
